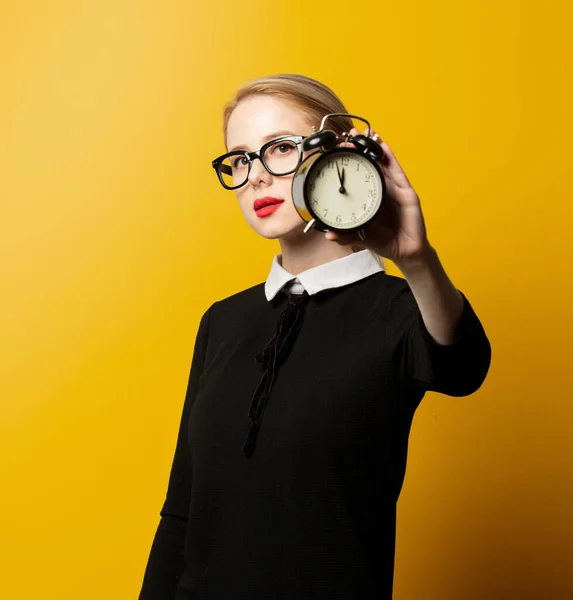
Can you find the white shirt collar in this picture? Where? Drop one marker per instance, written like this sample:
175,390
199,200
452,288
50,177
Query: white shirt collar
336,273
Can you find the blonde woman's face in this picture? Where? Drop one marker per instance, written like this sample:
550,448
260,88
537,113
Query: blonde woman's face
255,121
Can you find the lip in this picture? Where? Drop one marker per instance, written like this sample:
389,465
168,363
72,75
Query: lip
267,210
267,201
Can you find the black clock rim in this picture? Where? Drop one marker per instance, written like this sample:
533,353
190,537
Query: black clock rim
322,226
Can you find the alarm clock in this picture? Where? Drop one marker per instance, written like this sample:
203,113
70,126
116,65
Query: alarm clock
339,188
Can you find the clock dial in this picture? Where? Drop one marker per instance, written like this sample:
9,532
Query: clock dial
345,190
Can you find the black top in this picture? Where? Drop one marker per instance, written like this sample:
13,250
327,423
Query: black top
293,441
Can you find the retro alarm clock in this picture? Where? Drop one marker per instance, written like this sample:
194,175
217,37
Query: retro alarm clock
339,188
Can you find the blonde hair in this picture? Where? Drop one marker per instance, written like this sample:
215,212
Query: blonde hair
313,98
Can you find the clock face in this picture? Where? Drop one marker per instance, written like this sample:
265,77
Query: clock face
344,189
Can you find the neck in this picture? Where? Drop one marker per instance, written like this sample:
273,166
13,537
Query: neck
302,251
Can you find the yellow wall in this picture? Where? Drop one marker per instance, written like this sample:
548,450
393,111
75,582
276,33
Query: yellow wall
115,237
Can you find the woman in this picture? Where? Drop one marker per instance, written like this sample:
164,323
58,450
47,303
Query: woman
292,447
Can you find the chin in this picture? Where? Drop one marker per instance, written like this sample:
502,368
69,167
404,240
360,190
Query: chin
275,231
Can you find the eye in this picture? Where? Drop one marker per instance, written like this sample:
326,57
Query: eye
239,161
284,148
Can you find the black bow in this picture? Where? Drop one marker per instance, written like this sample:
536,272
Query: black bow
272,357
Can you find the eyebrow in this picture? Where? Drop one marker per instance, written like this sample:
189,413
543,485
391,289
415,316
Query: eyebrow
266,138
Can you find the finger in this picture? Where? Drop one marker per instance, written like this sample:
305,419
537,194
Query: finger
375,136
391,167
352,132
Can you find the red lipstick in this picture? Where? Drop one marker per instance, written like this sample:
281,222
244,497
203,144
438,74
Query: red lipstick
266,206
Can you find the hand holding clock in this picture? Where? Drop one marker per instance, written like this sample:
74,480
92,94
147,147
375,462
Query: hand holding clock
398,230
379,210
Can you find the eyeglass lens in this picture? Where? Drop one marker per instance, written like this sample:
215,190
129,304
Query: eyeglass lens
279,158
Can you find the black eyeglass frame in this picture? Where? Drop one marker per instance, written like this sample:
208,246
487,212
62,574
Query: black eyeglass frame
251,156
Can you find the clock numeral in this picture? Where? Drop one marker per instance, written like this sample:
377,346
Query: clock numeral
354,216
325,211
357,167
339,218
367,178
320,173
312,187
345,161
314,201
371,193
331,164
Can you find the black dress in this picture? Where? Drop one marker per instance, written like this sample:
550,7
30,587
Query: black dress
293,442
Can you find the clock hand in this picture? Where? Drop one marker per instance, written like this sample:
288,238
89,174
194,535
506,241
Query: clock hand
341,179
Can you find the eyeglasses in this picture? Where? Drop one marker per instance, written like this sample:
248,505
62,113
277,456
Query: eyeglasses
279,157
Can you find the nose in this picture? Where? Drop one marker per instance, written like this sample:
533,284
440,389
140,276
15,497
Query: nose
259,175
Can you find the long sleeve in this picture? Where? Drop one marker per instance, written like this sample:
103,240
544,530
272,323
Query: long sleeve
166,559
457,369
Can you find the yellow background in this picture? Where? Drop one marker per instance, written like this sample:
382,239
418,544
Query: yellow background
115,237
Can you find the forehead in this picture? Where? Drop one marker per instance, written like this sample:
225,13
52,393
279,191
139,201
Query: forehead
255,118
